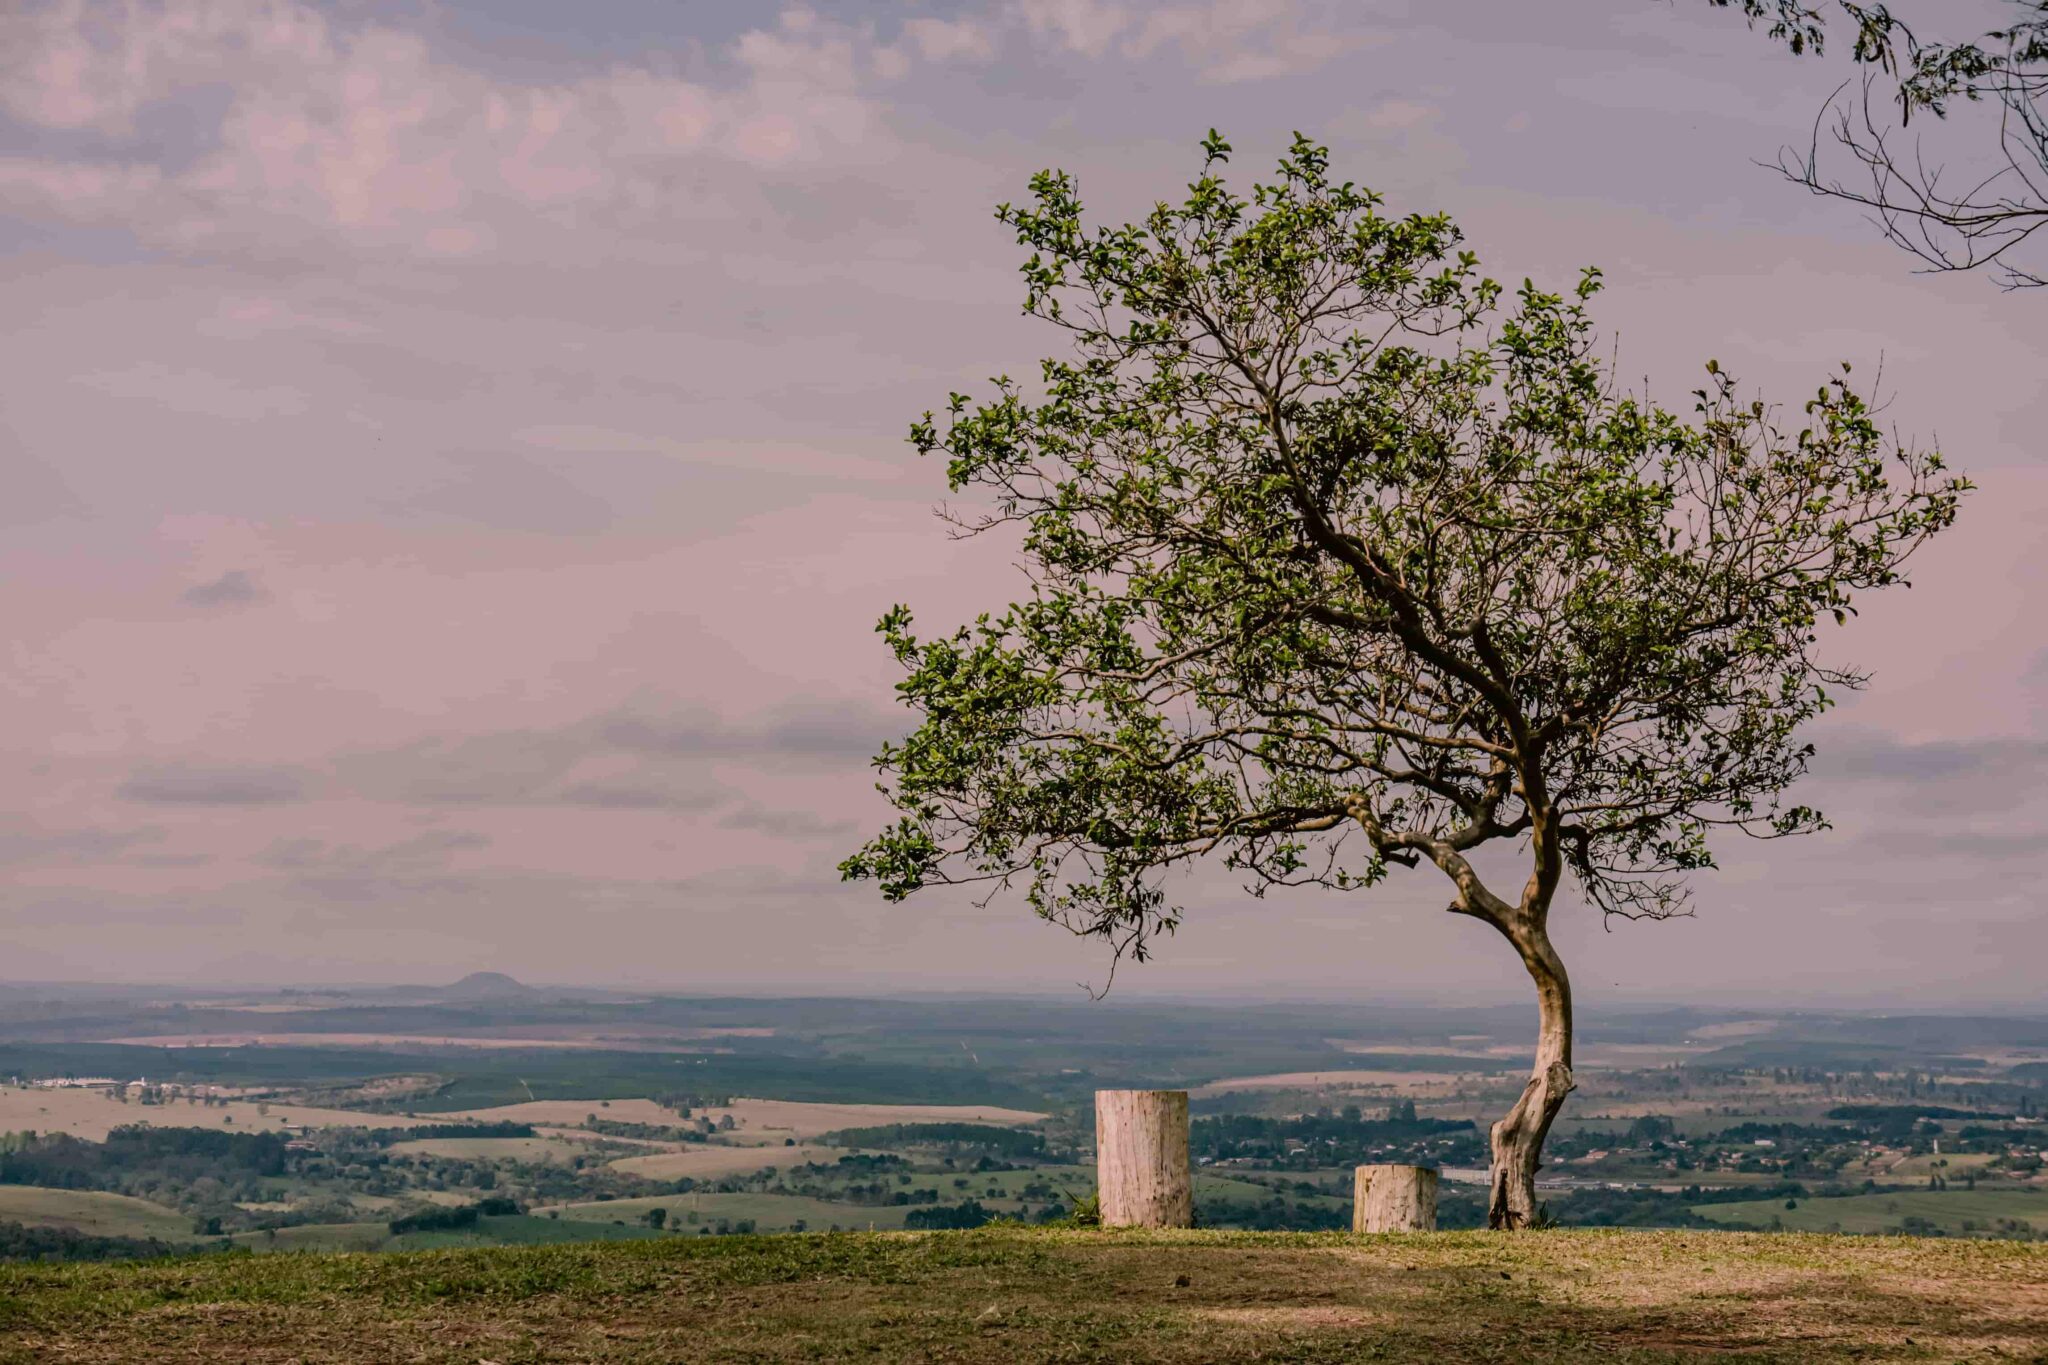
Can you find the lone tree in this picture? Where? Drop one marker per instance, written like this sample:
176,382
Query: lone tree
1339,562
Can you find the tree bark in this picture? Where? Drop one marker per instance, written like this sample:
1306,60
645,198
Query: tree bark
1141,1159
1517,1140
1394,1199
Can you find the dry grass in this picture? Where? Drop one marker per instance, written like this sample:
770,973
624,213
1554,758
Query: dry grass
707,1162
1420,1084
101,1213
762,1122
532,1151
777,1119
562,1112
1008,1295
92,1114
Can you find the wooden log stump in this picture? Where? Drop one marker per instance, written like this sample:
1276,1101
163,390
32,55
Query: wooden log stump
1394,1199
1141,1159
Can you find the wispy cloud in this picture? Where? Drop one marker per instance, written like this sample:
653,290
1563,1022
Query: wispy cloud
356,131
420,853
235,588
1225,41
1872,756
787,824
74,846
193,786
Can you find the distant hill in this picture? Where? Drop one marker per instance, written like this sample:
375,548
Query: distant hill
485,986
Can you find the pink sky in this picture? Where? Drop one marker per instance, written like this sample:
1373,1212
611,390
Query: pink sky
453,461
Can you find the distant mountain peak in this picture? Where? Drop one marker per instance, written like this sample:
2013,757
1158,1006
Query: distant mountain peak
478,985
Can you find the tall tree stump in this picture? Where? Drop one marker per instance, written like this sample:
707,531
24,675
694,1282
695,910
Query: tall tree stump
1141,1159
1394,1199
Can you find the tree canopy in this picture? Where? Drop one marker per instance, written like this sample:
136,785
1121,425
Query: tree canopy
1342,560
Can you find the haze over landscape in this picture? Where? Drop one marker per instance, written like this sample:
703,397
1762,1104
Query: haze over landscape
453,462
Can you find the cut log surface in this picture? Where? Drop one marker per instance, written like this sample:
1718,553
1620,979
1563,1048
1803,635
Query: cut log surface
1394,1199
1141,1159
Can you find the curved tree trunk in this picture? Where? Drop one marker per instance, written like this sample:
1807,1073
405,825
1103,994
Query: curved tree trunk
1518,1138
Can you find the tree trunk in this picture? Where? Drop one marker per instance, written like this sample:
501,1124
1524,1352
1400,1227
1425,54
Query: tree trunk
1394,1199
1518,1138
1141,1159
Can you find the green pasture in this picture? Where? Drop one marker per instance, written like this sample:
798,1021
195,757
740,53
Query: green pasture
1946,1210
93,1211
770,1212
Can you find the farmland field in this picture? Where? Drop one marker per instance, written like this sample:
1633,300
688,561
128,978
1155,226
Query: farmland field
318,1237
784,1118
1876,1213
701,1162
530,1149
1443,1073
770,1120
512,1229
92,1211
501,1230
913,1087
565,1112
1952,1167
92,1114
769,1212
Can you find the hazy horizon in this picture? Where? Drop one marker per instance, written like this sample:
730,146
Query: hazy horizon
455,460
1125,992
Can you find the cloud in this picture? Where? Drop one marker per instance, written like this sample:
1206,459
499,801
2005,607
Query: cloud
616,760
800,734
29,908
196,392
623,759
315,127
1871,756
79,847
1397,115
376,874
1980,798
1225,41
787,824
1088,27
629,795
2034,690
192,786
234,588
1972,845
950,40
423,852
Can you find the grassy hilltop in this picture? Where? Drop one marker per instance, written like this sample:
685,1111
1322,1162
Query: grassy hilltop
1017,1295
